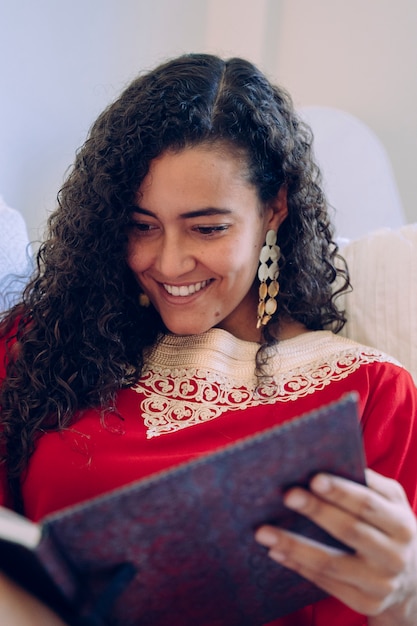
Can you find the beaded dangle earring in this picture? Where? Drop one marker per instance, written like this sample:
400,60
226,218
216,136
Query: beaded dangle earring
268,276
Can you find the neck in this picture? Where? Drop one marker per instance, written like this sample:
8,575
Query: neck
289,329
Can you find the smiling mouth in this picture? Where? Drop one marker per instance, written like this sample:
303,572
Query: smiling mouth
185,290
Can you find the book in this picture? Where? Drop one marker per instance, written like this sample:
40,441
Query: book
177,548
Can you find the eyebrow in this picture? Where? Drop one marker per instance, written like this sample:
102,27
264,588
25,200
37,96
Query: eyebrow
206,212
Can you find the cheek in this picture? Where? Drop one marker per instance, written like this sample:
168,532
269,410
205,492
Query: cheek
240,259
136,257
130,260
242,267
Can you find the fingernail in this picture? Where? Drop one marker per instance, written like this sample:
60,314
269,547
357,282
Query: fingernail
266,537
295,500
321,483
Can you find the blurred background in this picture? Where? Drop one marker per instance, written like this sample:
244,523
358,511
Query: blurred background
61,63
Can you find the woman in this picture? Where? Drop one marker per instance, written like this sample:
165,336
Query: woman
184,288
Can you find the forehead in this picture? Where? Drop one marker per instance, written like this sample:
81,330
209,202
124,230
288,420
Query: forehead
195,174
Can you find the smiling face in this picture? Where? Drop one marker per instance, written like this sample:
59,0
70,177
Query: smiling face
195,240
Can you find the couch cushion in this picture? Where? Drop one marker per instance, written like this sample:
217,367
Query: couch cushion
382,308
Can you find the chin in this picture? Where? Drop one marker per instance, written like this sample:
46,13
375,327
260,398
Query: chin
187,329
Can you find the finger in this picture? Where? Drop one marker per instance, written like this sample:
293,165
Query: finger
321,563
350,594
393,517
368,541
386,487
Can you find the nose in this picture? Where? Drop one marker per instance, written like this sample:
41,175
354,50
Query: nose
175,256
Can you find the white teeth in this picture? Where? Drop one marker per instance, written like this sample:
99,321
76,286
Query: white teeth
185,290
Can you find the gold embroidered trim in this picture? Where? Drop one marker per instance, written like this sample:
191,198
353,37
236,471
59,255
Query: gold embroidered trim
180,397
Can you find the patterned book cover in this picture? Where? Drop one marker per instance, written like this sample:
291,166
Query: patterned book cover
177,548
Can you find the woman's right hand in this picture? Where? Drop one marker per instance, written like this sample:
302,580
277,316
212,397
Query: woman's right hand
19,608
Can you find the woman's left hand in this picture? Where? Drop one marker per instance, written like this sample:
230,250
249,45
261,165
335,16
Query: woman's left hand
380,578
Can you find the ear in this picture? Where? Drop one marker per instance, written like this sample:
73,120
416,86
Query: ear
277,209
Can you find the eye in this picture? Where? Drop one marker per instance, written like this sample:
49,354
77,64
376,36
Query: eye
143,228
208,231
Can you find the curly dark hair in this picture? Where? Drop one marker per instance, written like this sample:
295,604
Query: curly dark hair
79,333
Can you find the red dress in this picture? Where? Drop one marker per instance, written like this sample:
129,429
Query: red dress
199,393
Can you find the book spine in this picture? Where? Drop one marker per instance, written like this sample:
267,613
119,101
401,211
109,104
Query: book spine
59,570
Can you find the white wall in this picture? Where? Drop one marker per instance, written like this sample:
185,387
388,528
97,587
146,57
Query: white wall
361,56
61,63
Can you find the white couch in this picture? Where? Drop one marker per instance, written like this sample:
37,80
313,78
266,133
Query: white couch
382,308
378,245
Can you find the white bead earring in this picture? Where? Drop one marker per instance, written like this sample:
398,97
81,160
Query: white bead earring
268,273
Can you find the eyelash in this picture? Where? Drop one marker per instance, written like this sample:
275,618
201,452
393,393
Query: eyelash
211,230
206,231
141,229
144,228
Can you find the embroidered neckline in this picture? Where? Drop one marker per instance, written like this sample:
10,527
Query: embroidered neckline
188,380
